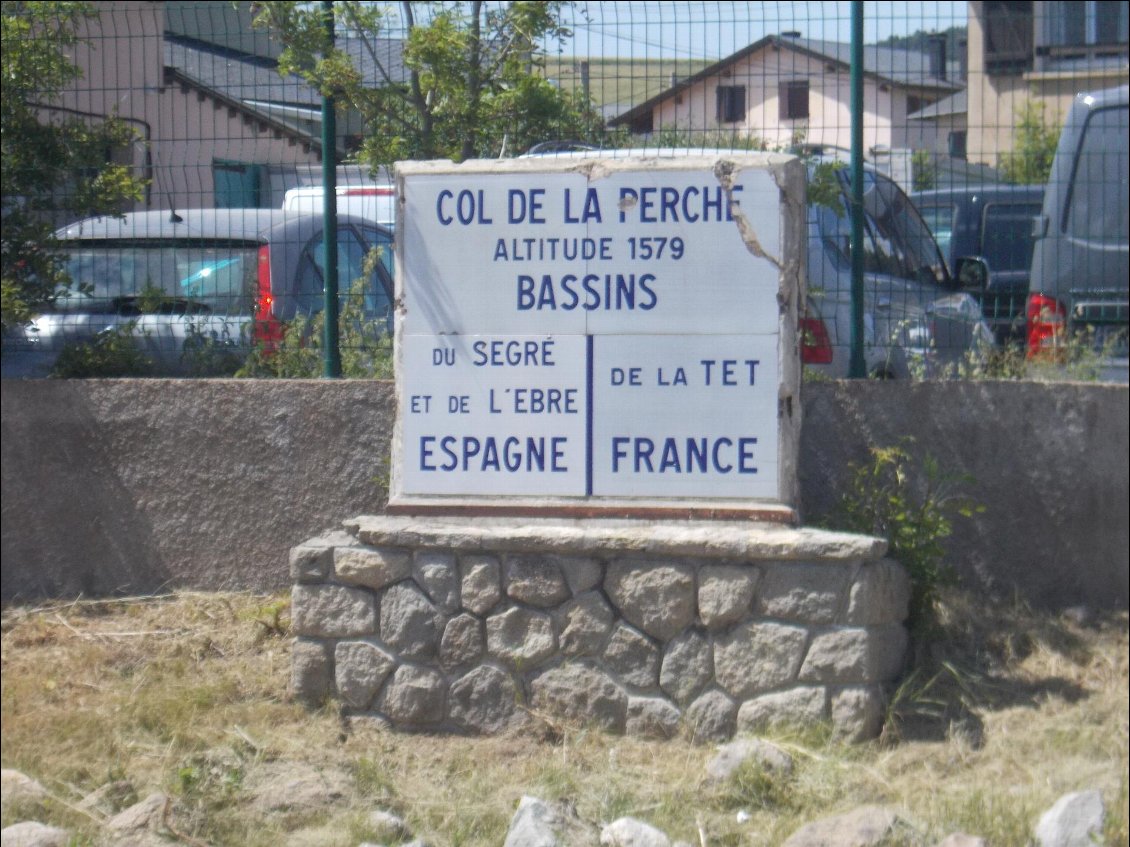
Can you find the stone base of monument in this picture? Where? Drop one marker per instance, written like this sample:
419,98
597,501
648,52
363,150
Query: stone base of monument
484,625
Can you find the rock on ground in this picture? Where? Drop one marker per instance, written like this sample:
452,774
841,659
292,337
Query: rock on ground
629,832
732,756
16,787
863,827
33,834
1076,820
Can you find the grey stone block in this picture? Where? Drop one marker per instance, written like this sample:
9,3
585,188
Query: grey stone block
857,712
865,826
757,657
521,637
310,562
437,574
536,580
803,705
535,824
360,668
34,834
652,717
657,597
730,757
311,671
462,642
855,655
581,694
688,666
629,832
480,583
1076,820
414,695
410,624
372,567
632,657
582,574
808,593
880,594
485,700
725,593
332,611
712,716
584,623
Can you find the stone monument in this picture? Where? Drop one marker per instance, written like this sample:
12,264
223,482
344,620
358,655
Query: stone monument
592,511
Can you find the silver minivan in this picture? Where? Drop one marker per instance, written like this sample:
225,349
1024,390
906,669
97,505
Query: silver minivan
194,292
1080,284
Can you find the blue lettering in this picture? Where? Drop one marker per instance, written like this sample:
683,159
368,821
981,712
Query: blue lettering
670,458
689,216
718,466
644,448
452,460
618,451
558,447
696,453
490,455
444,218
628,199
745,455
471,448
525,294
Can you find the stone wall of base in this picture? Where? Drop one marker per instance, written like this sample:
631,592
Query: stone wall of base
480,625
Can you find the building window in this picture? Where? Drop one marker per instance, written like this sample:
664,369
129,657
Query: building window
1085,24
643,124
794,99
731,104
1008,36
956,145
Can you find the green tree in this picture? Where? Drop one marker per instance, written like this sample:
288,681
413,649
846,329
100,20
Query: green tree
924,171
1030,163
54,165
475,85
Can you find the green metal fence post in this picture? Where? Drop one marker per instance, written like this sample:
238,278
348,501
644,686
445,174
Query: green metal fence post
331,356
857,366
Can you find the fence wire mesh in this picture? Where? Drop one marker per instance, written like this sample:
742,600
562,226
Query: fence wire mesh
203,121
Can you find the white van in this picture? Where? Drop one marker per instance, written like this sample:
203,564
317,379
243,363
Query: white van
375,203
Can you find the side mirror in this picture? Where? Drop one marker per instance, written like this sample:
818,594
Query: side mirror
972,274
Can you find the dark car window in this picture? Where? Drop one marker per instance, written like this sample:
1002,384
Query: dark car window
134,276
1007,235
383,243
901,243
351,253
1099,197
940,220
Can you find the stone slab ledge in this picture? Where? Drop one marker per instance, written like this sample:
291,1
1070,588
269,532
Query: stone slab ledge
744,540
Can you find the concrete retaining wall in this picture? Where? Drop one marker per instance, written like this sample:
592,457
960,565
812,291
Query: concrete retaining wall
128,486
475,625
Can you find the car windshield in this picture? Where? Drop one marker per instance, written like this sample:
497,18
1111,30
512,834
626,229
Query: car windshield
160,276
940,221
896,241
1007,240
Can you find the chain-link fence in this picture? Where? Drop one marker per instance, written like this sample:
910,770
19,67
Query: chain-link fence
204,121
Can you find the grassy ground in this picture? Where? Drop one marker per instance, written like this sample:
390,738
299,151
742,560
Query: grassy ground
620,82
186,694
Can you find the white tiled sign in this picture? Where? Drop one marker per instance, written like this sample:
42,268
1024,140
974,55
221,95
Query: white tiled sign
568,333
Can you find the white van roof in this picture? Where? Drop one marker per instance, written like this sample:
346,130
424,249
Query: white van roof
374,202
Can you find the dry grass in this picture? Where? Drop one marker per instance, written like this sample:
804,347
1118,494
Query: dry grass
186,694
620,82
